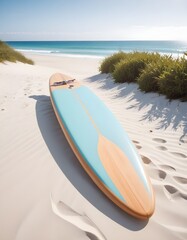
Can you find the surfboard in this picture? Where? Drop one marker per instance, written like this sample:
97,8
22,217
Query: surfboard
102,146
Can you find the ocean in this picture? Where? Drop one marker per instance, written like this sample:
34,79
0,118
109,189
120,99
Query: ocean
98,48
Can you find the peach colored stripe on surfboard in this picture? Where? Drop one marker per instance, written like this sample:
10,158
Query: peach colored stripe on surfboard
124,177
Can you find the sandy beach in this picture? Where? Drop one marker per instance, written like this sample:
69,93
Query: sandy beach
45,193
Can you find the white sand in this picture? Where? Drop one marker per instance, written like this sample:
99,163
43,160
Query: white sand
45,193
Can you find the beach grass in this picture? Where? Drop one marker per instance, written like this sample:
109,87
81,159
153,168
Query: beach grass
9,54
148,80
108,65
173,80
151,71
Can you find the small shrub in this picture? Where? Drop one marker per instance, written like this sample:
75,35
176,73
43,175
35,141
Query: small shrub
128,71
151,71
9,54
149,77
173,81
108,64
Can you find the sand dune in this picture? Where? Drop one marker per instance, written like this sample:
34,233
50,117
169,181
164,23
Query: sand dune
36,161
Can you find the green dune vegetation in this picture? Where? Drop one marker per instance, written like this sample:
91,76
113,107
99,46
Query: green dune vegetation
151,71
9,54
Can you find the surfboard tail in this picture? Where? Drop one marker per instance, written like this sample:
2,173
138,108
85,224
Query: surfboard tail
138,198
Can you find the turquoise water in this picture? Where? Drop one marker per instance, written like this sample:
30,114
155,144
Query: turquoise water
99,48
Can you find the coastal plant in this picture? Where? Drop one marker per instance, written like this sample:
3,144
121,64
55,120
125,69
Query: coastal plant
173,81
108,64
128,71
153,72
148,79
9,54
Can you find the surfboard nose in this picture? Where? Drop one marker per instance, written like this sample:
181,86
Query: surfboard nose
137,194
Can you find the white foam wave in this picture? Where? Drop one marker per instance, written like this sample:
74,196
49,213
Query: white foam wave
60,54
77,55
34,51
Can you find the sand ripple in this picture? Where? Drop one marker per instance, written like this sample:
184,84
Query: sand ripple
84,223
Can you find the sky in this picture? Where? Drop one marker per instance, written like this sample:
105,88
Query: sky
93,20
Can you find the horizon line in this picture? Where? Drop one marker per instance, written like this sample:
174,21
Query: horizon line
99,40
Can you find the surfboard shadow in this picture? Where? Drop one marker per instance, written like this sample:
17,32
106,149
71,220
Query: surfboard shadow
70,166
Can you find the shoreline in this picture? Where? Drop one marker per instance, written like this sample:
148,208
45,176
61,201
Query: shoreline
54,54
73,55
43,187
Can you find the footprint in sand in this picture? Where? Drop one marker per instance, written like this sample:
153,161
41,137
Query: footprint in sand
167,167
158,174
180,180
173,193
177,154
82,222
184,196
162,174
146,160
162,148
136,142
138,147
183,141
159,140
170,189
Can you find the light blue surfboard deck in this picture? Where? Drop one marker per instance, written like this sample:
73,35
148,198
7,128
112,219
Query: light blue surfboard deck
102,146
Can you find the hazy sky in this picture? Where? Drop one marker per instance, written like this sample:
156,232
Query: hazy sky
93,19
